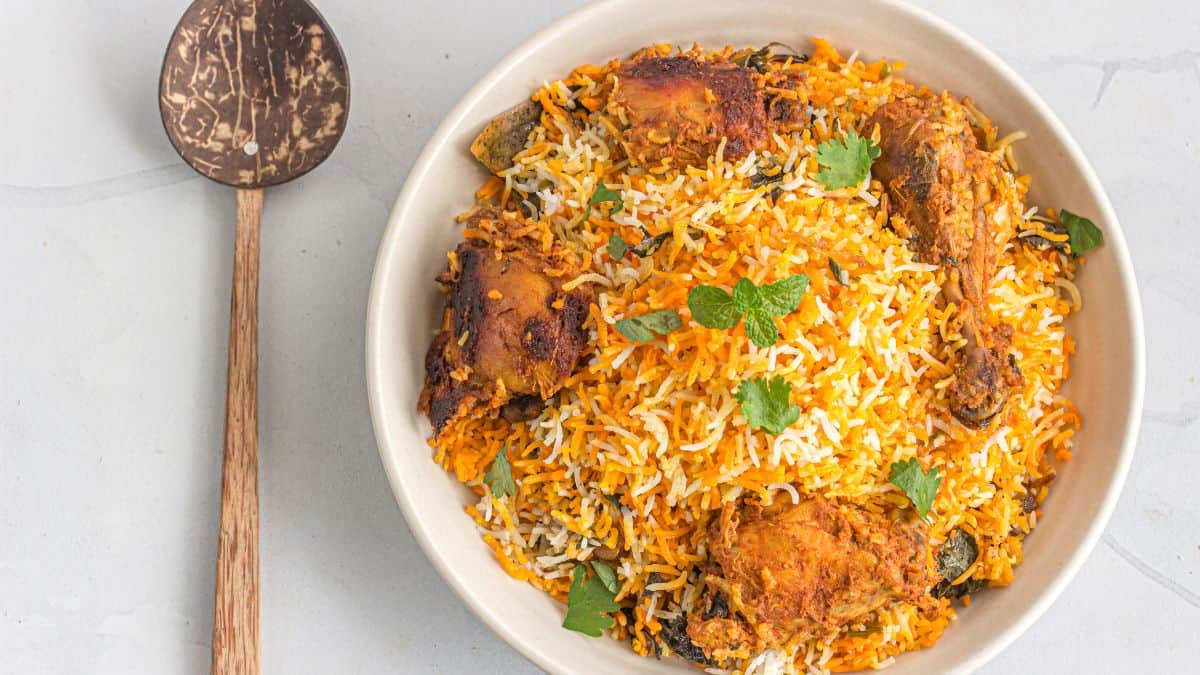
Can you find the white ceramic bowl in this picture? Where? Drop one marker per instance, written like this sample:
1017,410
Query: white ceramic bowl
1107,380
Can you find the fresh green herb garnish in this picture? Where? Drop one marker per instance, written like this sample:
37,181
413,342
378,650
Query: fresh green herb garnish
783,297
499,476
767,404
839,275
746,296
761,328
714,307
607,576
1083,233
642,328
617,247
918,485
604,194
845,162
589,600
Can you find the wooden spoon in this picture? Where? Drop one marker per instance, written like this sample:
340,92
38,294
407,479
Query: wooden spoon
253,93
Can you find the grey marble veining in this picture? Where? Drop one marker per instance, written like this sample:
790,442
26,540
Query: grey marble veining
115,268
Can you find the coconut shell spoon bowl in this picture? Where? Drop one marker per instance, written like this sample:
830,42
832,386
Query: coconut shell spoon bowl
253,93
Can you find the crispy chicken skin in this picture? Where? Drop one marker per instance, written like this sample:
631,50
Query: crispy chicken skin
806,569
680,107
514,335
945,189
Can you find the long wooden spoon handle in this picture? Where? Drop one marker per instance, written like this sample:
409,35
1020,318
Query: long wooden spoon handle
235,649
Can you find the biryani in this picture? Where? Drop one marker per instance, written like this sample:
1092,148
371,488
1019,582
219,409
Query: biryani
753,356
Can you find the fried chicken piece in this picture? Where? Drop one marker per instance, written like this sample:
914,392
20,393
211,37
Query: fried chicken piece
514,335
948,194
802,570
680,108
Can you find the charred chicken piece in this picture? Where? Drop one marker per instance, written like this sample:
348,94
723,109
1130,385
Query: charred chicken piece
680,108
506,135
945,189
806,569
514,335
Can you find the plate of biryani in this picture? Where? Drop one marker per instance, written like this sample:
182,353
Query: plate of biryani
767,338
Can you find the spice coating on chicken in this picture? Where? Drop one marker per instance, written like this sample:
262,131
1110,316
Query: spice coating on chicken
806,569
946,191
680,108
513,332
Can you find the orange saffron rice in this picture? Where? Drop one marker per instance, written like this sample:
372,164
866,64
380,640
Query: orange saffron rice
636,454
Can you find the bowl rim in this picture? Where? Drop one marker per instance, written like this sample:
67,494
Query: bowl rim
1115,239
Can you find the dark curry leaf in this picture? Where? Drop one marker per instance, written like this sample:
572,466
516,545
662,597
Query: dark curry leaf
649,244
643,328
839,275
943,589
674,636
957,555
617,247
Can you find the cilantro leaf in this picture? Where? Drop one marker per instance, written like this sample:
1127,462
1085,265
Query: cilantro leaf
845,162
746,296
588,602
761,328
617,247
642,328
839,275
918,485
607,576
604,194
783,296
713,307
1083,233
767,404
499,476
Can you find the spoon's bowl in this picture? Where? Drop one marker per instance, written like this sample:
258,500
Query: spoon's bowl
254,93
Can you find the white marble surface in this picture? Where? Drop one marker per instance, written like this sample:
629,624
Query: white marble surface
114,268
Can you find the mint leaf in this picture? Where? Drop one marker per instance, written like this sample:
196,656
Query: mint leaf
767,404
760,328
642,328
604,194
588,602
617,247
1083,233
713,307
607,576
745,296
839,275
783,297
845,162
499,476
918,485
